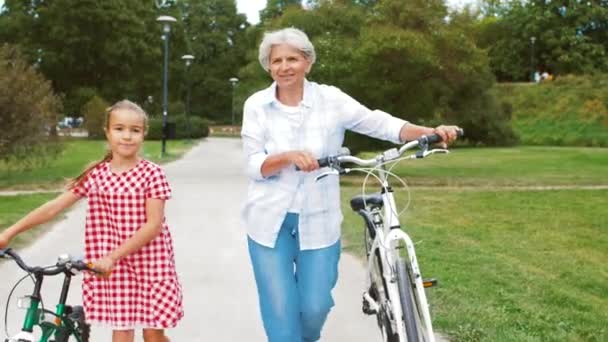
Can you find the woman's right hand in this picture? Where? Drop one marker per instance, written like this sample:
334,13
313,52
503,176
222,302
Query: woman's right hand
305,161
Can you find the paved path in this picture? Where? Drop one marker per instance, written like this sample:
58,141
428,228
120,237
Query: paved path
212,260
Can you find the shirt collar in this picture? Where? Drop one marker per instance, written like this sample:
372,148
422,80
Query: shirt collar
270,94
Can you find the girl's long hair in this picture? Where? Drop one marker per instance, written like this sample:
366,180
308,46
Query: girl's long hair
125,105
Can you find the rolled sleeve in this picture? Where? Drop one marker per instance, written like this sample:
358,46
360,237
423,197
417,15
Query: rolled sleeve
255,159
252,133
373,123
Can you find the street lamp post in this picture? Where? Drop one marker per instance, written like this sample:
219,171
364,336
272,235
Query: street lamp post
188,60
234,82
166,21
532,41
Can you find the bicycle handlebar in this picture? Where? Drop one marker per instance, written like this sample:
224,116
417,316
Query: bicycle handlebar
344,155
60,267
390,154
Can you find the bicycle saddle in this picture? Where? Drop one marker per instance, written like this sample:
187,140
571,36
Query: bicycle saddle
358,202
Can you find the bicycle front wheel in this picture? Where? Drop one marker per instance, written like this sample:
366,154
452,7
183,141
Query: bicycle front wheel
406,285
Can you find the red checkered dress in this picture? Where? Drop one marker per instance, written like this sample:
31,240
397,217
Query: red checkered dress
143,291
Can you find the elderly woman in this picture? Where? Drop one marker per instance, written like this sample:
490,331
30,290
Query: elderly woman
293,222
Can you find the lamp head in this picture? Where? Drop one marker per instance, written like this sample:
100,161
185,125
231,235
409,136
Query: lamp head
166,20
188,59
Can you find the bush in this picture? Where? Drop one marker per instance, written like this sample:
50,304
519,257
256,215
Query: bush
94,112
193,127
28,107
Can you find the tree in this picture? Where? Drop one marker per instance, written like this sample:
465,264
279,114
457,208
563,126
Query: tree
106,46
276,8
28,106
215,35
570,37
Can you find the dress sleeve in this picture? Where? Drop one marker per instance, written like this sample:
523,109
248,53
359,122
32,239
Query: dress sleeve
158,186
82,188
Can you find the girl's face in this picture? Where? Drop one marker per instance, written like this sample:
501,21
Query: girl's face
125,133
288,66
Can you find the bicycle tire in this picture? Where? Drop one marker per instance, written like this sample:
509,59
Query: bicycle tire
406,293
384,317
82,327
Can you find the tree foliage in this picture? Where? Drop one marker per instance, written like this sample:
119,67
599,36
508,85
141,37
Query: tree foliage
94,112
569,37
28,105
113,49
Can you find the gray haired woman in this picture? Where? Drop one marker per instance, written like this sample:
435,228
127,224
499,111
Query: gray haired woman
292,220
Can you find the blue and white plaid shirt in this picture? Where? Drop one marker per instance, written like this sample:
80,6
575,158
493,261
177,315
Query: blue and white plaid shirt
326,112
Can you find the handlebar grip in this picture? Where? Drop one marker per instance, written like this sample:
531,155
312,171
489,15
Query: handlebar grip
323,162
91,268
435,138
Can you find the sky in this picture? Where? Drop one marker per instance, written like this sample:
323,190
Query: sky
251,8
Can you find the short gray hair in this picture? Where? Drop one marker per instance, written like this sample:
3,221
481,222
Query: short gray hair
290,36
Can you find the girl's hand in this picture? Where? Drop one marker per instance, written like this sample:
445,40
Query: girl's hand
305,161
104,265
5,239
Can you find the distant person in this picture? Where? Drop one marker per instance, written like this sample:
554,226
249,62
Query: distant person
292,220
544,76
537,77
126,234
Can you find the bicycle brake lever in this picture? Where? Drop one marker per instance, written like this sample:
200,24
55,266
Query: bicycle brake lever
328,173
424,153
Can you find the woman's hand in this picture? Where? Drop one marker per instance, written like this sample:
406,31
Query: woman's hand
305,161
448,134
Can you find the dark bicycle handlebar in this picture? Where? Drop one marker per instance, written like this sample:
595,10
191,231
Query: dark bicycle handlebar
59,267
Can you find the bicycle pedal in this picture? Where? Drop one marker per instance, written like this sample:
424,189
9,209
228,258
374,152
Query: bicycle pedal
429,282
367,308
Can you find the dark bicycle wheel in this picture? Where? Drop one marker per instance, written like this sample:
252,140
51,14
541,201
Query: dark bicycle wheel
82,328
406,292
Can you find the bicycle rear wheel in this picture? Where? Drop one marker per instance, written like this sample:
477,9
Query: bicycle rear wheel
406,286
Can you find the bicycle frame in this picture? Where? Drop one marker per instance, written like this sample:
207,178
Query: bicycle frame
386,242
62,326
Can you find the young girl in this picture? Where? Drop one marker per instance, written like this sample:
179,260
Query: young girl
126,235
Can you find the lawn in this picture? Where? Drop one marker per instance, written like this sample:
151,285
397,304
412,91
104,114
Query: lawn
497,167
12,208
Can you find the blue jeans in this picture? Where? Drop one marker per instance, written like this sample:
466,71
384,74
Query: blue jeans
294,286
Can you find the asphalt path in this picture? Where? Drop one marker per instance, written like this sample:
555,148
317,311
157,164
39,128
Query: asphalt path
220,298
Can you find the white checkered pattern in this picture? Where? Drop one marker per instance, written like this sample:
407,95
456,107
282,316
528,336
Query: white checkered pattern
143,290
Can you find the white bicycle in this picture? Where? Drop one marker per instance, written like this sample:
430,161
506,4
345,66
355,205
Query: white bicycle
396,290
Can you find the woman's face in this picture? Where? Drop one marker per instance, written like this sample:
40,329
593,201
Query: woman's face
288,66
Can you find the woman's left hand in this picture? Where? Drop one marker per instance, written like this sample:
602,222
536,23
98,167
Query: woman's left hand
448,134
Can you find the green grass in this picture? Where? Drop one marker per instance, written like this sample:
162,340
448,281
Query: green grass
522,166
568,111
12,208
76,155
